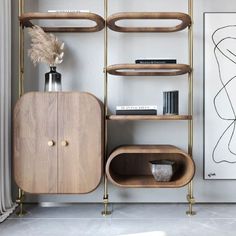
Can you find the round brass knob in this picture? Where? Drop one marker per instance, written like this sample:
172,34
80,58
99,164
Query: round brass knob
51,143
64,143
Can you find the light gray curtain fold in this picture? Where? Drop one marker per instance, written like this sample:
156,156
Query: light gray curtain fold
6,204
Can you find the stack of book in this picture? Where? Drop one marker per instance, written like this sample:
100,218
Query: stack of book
136,110
171,103
156,61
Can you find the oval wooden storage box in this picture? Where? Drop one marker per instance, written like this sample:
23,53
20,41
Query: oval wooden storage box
128,166
58,142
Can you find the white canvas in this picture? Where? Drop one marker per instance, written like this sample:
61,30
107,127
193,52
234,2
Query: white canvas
220,96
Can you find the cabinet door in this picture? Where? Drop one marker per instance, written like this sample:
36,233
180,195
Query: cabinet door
80,137
35,136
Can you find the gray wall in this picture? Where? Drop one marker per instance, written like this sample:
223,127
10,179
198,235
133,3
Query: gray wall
82,70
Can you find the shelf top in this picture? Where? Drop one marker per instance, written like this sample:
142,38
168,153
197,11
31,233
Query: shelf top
26,18
185,21
148,149
148,69
148,117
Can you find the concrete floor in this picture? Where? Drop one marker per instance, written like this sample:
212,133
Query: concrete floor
127,219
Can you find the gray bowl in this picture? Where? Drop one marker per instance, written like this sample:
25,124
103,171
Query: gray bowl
162,170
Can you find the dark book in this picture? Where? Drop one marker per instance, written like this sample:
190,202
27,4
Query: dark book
136,112
156,61
171,102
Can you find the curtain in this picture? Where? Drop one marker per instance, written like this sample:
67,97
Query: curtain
6,204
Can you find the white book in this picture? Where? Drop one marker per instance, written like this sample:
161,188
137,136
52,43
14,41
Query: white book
68,11
147,107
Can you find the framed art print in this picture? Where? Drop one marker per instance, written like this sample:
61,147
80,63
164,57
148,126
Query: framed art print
220,95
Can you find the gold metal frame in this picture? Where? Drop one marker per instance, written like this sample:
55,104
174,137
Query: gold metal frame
21,5
106,211
190,197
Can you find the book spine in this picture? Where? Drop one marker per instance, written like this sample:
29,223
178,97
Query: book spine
68,11
176,101
171,102
164,103
156,61
168,103
136,108
136,112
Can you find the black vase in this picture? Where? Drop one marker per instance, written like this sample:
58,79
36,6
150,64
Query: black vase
52,81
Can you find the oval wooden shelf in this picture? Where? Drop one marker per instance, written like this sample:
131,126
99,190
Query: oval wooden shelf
148,69
184,18
128,166
26,18
148,117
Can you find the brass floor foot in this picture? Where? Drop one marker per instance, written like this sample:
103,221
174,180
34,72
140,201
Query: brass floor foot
106,213
191,213
21,212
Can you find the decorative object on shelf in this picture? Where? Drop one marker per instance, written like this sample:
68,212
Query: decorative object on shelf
162,170
46,48
156,61
171,103
136,110
220,97
52,81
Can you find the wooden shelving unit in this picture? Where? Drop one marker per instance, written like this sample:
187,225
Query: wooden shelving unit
121,168
128,166
27,18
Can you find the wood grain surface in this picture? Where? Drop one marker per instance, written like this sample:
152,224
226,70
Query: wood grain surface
58,142
148,69
148,117
80,123
113,19
35,124
26,19
128,166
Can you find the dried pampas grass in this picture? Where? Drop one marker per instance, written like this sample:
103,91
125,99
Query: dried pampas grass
45,48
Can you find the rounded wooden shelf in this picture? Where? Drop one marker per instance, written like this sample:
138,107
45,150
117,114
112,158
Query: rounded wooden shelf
184,18
128,166
148,69
148,117
26,18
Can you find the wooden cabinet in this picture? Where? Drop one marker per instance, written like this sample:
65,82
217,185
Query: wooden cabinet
58,142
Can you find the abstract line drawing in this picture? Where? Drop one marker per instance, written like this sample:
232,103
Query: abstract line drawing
220,95
220,50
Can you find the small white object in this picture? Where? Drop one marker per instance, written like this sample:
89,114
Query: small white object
148,107
68,11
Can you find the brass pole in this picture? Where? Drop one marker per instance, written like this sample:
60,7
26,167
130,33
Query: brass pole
21,50
21,194
105,212
190,196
